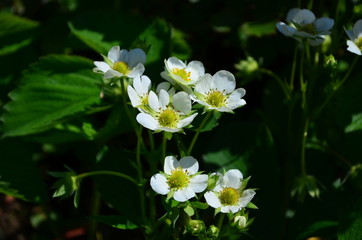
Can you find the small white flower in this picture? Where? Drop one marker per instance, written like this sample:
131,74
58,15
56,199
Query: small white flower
121,63
302,23
227,194
218,92
180,178
138,94
166,112
178,72
355,36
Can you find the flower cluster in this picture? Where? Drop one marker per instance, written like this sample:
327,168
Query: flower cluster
181,180
169,108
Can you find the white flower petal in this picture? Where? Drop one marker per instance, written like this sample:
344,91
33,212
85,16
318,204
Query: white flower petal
164,99
133,96
174,62
182,102
142,85
112,73
198,183
350,34
159,184
352,47
232,178
184,194
286,29
137,71
186,121
136,56
102,66
114,54
196,69
163,85
212,199
224,80
147,121
153,101
170,164
292,14
323,25
234,100
234,208
123,56
246,197
225,209
357,28
204,84
302,17
190,164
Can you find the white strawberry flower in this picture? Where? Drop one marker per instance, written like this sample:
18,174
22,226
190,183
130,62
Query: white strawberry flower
170,113
138,93
302,24
228,194
178,72
180,178
355,36
218,92
120,63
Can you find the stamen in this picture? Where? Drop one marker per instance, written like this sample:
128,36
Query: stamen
182,73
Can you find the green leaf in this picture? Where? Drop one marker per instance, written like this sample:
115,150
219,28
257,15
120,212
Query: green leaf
19,175
356,123
116,222
189,210
315,227
350,227
92,39
251,205
257,29
44,99
199,205
15,32
224,159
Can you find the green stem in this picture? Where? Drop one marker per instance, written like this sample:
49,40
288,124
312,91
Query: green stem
304,140
279,80
198,131
105,172
140,174
303,85
219,224
164,146
337,86
292,75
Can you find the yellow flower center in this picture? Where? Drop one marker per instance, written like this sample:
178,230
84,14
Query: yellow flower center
182,73
168,118
308,28
358,42
229,196
144,99
216,99
121,67
178,179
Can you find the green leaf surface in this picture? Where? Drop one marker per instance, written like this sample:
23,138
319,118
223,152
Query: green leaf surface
15,32
19,175
356,123
116,222
92,39
44,99
224,159
351,222
315,227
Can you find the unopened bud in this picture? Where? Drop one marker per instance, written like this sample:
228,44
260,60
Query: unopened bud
196,227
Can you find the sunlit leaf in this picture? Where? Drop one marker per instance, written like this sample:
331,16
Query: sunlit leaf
356,123
43,100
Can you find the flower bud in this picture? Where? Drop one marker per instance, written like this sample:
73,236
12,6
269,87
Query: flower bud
213,232
247,67
196,227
